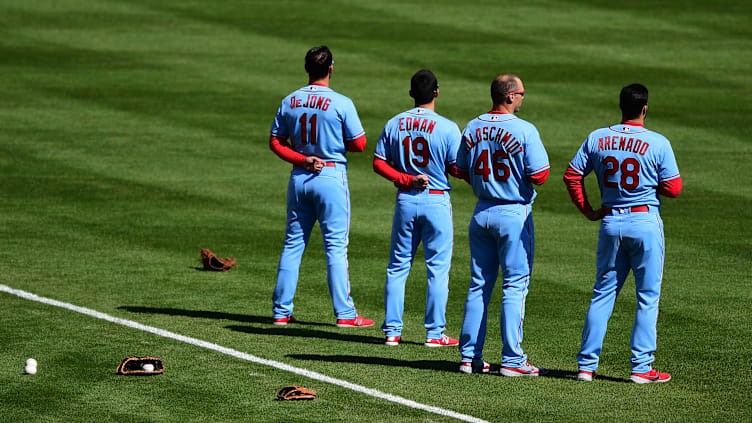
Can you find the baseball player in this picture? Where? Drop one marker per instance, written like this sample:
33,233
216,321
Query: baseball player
321,126
421,146
505,157
633,165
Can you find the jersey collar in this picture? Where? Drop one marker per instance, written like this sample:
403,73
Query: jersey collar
632,124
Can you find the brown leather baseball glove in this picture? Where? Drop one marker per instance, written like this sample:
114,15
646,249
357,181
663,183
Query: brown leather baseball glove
134,366
212,262
294,393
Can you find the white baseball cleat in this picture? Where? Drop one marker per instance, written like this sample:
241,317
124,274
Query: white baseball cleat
475,366
585,376
526,369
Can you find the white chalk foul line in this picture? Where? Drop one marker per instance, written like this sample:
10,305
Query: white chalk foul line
241,355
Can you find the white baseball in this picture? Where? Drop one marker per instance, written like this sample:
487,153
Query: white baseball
30,370
148,367
31,362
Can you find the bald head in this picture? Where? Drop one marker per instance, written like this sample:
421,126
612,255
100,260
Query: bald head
503,85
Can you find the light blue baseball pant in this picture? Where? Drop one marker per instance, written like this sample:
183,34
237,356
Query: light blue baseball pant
310,197
626,241
427,217
500,235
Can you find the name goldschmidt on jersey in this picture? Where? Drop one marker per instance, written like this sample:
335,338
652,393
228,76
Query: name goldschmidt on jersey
494,134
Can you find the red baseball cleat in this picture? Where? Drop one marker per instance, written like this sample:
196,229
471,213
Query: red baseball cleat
358,322
653,376
444,341
284,320
392,341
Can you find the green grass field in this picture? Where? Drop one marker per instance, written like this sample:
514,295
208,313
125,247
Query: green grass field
135,133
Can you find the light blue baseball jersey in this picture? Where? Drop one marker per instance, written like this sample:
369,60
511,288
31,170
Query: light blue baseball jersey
317,120
500,151
630,161
420,141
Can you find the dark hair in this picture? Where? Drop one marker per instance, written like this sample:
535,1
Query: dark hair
423,86
631,100
317,62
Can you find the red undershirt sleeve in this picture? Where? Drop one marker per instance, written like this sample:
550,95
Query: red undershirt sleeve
457,173
576,189
540,177
357,145
670,188
284,150
384,169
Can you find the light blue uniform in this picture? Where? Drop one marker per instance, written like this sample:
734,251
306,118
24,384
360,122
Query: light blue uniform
500,151
317,121
629,162
420,141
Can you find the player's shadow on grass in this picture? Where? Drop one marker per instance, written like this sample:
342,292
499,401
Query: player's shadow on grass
342,335
441,365
244,318
569,374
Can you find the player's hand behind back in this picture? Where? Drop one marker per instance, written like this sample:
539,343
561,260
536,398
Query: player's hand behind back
313,164
419,182
595,215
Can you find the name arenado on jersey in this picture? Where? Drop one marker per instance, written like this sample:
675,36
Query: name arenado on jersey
311,101
624,144
416,124
497,135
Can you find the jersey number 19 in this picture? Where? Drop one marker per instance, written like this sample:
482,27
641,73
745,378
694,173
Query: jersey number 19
419,147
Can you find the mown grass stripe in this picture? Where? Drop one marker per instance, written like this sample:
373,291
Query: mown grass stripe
241,355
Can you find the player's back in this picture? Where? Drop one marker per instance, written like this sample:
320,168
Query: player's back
317,120
630,161
499,151
420,141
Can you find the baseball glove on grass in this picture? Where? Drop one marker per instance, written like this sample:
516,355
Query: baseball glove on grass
295,392
212,262
141,366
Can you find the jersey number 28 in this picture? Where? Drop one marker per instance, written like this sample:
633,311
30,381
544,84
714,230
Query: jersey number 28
630,172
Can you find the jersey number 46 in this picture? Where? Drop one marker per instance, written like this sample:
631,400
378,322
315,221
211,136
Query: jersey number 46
488,163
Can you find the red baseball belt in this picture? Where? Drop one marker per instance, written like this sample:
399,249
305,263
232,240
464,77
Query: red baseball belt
430,191
633,209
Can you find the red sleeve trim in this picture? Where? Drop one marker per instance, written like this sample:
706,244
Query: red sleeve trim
670,188
357,145
384,169
539,178
284,150
576,189
457,173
